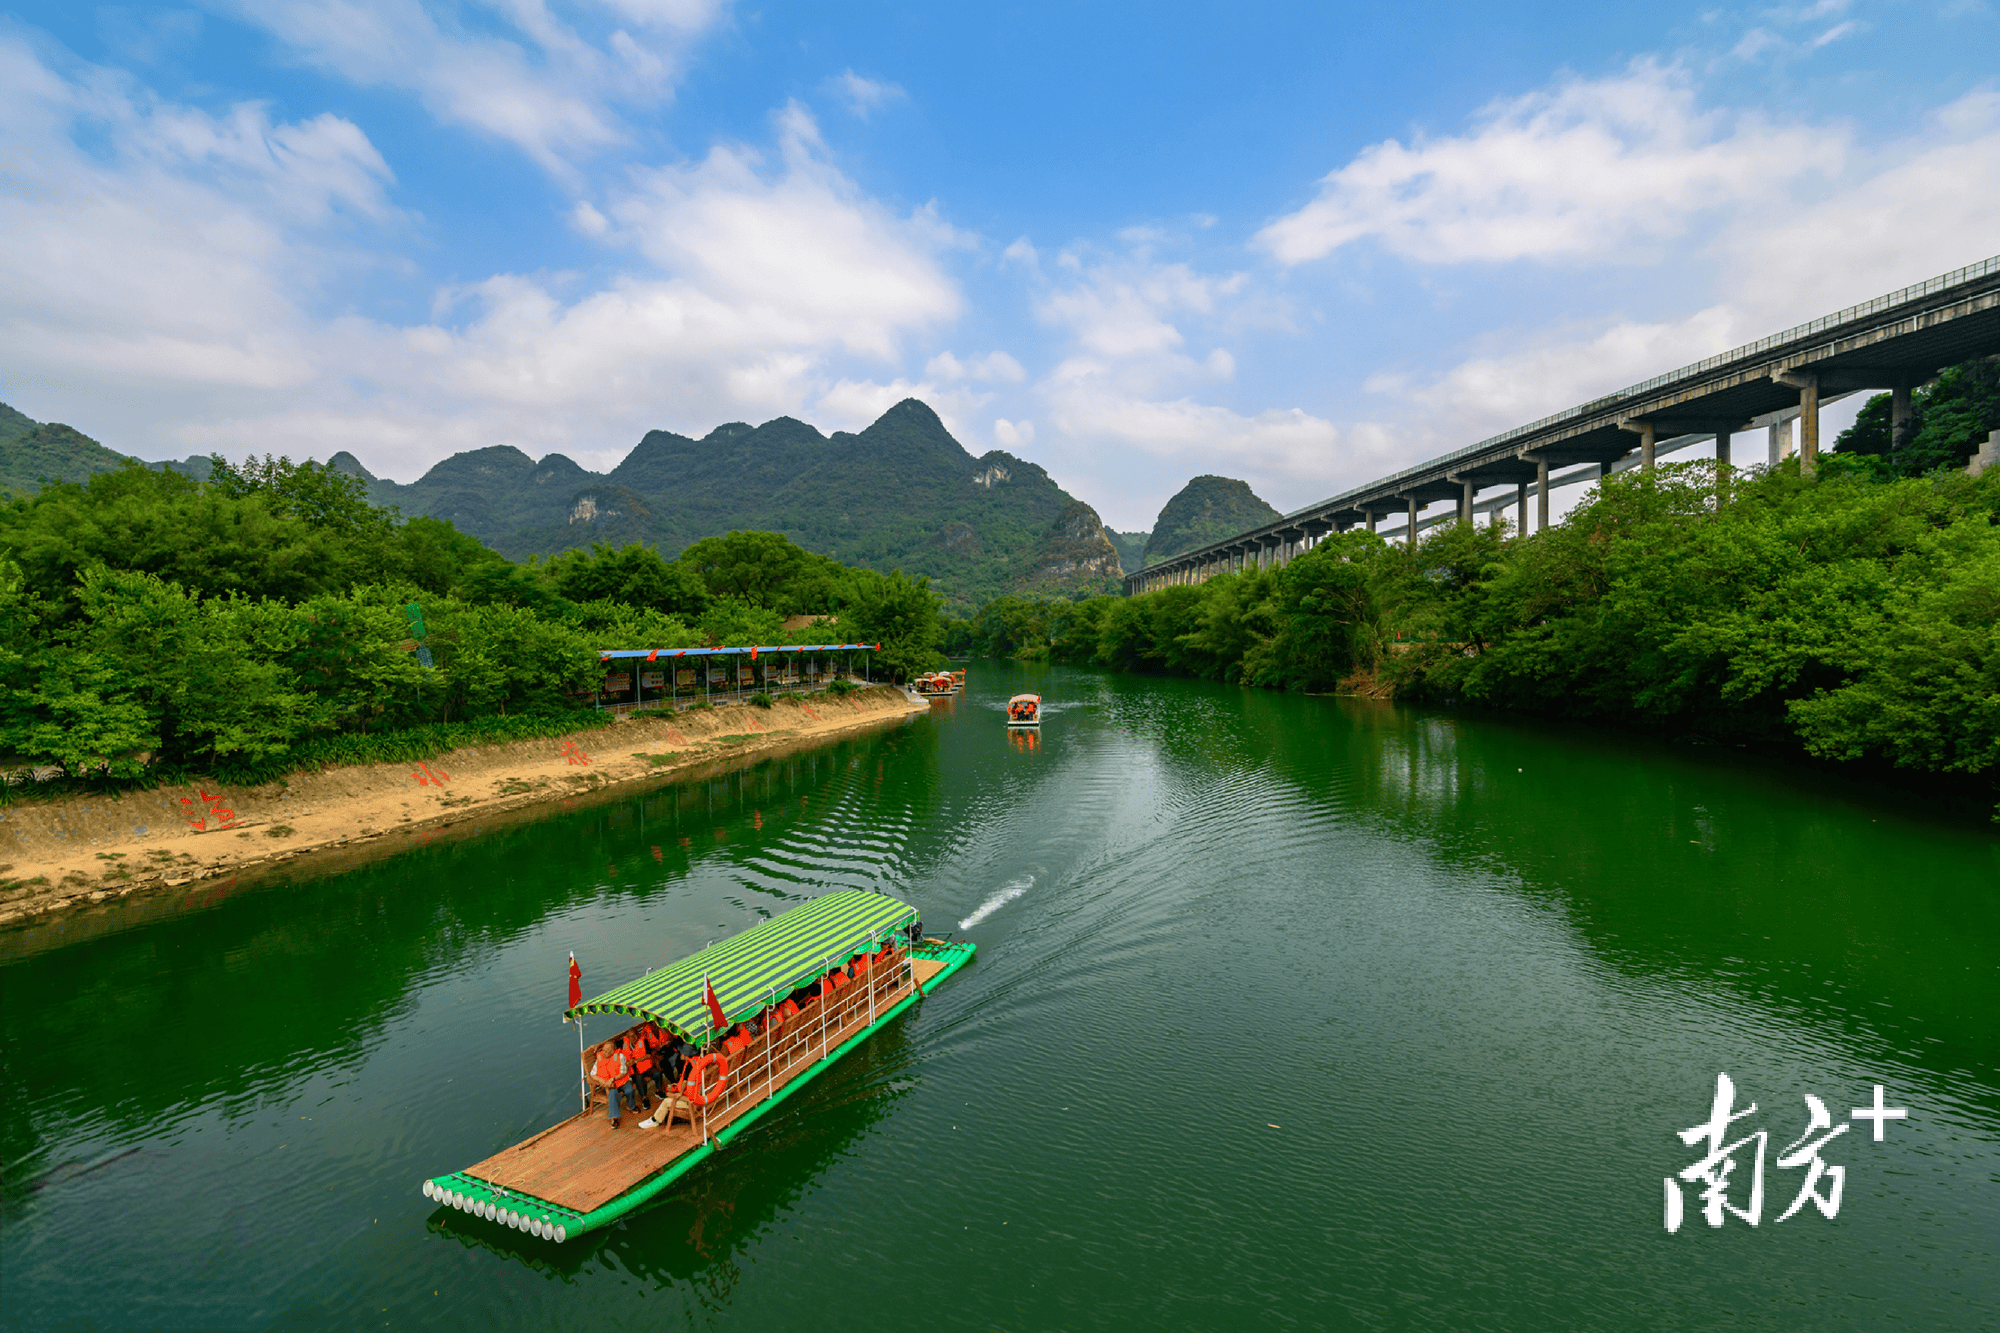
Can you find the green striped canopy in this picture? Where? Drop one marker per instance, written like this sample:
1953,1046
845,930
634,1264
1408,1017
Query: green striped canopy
771,958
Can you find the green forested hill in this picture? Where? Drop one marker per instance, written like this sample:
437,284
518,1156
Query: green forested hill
32,452
1205,510
12,424
1131,548
902,494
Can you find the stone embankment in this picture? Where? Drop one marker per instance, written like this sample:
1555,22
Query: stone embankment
88,849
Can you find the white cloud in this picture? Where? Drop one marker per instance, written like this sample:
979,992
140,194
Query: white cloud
1130,383
1914,209
514,71
1537,375
796,253
992,367
1013,434
1754,43
1904,215
1125,309
175,252
854,404
864,97
1597,170
175,283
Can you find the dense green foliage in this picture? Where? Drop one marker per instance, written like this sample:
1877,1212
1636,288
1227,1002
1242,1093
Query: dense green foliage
1854,616
1949,418
1207,509
32,453
260,620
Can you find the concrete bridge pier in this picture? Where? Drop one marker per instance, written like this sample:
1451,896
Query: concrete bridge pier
1901,414
1809,423
1520,509
1808,385
1413,522
1541,494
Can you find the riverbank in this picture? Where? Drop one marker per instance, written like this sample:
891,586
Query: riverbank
76,851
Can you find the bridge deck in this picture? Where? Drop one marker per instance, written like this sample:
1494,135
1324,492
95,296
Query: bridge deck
1904,337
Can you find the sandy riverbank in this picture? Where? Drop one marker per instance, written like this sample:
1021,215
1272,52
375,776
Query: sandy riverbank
91,849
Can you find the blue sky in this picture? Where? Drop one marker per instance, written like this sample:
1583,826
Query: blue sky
1294,244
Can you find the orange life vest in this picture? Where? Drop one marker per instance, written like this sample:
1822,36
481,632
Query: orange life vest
607,1068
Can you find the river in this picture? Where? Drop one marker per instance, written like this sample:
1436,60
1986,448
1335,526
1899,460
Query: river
1287,1012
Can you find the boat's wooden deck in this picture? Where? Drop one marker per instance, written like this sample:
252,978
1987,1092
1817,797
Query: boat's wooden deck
583,1163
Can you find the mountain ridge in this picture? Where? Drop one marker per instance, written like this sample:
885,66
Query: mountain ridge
902,493
1207,509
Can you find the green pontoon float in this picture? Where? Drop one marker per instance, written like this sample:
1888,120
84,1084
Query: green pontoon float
583,1173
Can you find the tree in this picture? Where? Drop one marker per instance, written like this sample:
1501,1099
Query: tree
765,569
901,614
311,491
633,574
1950,416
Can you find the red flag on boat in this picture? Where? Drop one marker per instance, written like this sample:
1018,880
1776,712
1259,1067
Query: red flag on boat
575,983
714,1005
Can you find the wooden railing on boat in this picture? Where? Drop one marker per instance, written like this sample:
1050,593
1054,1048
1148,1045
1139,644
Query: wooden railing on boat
767,1064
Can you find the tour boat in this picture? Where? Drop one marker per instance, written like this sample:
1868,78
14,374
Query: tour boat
583,1173
1024,710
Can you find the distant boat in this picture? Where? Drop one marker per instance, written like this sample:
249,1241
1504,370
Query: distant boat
798,992
937,685
1024,710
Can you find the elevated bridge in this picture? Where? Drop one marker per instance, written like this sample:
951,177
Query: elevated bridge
1894,342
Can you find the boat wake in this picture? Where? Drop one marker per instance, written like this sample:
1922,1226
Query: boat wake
998,901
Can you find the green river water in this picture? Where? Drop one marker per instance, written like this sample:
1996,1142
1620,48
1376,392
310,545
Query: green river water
1287,1012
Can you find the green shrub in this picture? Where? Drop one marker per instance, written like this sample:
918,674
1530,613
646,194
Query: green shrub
761,699
839,686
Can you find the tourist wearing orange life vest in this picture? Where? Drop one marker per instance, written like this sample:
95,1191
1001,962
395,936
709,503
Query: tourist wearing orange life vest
613,1073
638,1055
662,1049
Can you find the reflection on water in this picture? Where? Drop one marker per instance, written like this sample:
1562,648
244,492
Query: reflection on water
1286,1010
